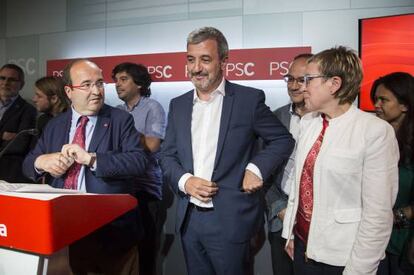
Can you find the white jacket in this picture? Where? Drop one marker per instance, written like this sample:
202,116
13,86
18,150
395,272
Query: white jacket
355,186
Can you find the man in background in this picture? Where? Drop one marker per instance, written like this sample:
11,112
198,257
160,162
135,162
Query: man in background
49,99
15,115
93,148
132,83
278,190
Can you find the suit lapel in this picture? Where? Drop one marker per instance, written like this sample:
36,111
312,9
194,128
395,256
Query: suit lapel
101,127
11,111
225,119
186,117
66,121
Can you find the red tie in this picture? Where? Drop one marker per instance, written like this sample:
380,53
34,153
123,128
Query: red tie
304,214
71,181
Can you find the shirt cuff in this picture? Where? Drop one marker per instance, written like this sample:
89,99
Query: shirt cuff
182,181
38,171
93,167
254,169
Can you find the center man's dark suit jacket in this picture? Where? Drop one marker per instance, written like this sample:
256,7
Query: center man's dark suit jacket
119,159
244,117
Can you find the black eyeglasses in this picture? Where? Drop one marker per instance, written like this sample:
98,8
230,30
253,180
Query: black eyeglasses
9,79
290,79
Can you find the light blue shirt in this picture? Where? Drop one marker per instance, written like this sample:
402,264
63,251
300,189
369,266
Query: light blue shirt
89,128
150,120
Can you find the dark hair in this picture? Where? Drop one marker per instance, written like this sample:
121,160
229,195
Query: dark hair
139,74
53,86
401,84
17,69
202,34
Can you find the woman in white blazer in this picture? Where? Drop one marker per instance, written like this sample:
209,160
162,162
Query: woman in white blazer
339,215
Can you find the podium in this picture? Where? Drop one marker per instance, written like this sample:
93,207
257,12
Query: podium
35,225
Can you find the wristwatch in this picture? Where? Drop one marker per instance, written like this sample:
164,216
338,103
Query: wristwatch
401,220
93,159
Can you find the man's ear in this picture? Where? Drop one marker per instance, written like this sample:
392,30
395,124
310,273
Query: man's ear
68,92
223,63
336,84
53,99
21,85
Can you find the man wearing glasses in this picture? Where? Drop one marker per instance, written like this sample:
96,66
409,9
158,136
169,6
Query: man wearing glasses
15,115
278,189
93,148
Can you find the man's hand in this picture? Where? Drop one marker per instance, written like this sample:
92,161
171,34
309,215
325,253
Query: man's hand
77,153
8,136
251,182
201,189
290,249
281,214
55,164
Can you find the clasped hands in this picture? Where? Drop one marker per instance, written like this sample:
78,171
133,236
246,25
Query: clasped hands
205,190
56,164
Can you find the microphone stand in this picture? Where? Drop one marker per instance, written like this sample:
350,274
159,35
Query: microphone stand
32,132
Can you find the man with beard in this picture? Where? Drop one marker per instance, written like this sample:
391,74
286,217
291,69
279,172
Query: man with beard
132,83
103,156
207,158
278,189
15,115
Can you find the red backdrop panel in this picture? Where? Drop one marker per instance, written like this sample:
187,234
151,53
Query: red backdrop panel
244,64
386,45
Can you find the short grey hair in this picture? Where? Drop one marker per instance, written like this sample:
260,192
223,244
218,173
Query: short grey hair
205,33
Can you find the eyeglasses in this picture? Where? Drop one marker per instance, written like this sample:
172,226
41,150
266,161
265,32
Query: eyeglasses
87,86
7,79
308,77
290,79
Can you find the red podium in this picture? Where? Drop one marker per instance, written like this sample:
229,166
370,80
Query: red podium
34,226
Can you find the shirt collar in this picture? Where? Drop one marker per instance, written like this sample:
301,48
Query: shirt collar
333,121
292,110
221,90
76,116
9,102
141,100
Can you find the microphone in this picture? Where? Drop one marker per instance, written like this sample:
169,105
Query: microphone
32,132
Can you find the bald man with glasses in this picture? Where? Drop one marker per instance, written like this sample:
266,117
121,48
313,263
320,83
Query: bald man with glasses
277,188
93,148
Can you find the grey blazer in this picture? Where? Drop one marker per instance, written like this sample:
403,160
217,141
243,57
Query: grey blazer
275,198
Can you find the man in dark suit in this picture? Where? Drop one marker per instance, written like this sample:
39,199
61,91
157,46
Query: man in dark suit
15,115
207,157
108,162
276,187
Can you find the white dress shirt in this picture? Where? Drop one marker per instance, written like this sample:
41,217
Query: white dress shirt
89,128
205,128
294,129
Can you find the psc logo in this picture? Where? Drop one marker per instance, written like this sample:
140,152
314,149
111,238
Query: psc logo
3,230
28,65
